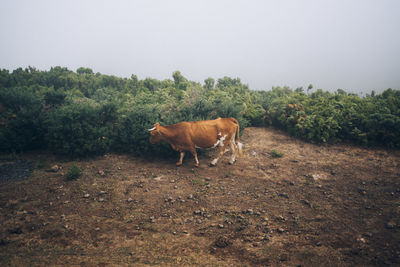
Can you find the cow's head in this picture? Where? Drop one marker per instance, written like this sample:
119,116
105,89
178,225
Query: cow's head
155,135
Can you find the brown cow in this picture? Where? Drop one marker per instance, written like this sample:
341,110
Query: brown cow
187,136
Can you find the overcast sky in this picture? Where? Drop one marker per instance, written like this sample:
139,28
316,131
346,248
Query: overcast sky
348,44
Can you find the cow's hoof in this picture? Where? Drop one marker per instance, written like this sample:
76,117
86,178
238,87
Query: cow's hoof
178,164
196,165
213,164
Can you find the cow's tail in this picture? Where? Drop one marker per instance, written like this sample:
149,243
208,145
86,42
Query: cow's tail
239,145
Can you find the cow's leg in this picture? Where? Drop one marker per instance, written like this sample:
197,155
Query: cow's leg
234,150
196,160
179,163
221,152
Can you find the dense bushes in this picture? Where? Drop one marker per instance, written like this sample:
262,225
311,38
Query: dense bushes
81,128
333,117
82,113
21,120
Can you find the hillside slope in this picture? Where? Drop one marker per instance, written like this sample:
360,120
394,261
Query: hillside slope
315,205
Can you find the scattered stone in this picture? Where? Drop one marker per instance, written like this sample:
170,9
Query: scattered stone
390,225
101,193
280,230
172,181
306,202
86,196
222,242
318,244
250,211
208,179
101,200
102,173
280,218
190,196
220,226
129,200
284,195
54,168
291,183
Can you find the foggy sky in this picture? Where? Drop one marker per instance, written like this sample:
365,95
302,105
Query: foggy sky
348,44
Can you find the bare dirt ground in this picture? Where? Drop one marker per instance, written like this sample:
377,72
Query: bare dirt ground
331,205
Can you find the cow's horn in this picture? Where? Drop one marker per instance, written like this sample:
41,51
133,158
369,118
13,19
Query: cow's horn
151,129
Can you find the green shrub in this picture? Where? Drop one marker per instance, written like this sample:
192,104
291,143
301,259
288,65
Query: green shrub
21,120
275,154
74,172
81,129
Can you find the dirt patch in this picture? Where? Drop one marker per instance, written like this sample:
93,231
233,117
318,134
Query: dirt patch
315,205
17,170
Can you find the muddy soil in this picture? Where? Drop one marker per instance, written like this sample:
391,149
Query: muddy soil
284,203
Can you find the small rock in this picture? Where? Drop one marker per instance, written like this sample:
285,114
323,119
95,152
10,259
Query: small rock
86,196
390,225
208,179
54,168
172,181
129,200
222,242
101,199
284,195
220,226
249,211
190,196
102,173
175,187
280,230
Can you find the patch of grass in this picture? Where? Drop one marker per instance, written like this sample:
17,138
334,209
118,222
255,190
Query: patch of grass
228,174
9,157
309,179
41,164
276,154
74,172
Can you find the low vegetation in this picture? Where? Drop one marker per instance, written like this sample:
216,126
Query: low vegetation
84,113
